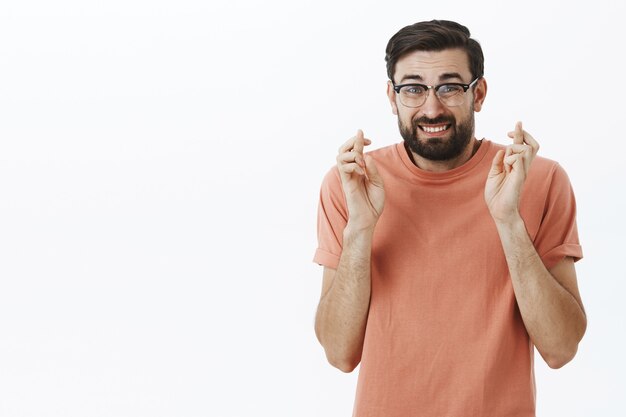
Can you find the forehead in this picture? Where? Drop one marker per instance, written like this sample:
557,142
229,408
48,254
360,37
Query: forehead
431,65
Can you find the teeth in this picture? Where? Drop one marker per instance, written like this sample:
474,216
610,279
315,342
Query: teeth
434,129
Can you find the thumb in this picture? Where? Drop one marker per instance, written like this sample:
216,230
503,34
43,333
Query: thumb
372,172
497,165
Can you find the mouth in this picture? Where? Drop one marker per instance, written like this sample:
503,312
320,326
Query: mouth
433,129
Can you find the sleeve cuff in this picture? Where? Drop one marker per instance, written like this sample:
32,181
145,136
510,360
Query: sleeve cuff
555,255
326,258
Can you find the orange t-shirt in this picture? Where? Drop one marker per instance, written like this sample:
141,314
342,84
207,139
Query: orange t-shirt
444,334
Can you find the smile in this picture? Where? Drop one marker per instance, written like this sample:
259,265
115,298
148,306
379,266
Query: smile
434,129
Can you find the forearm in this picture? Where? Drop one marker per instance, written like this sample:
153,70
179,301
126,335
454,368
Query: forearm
553,317
343,309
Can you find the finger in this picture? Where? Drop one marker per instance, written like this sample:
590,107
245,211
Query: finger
350,156
496,163
515,148
511,160
349,144
351,168
372,171
528,138
531,141
359,142
518,135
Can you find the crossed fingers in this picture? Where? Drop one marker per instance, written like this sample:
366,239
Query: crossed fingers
523,150
350,157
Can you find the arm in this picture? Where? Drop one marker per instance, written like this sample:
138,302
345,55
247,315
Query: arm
549,301
344,303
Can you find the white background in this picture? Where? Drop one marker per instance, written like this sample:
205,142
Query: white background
160,163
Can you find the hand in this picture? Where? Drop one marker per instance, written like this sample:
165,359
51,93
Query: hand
508,173
362,184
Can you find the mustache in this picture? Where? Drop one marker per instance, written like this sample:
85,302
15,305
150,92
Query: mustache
437,120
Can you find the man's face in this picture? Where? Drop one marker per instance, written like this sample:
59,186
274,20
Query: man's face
435,131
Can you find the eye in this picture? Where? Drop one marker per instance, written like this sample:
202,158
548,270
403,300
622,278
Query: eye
413,90
449,89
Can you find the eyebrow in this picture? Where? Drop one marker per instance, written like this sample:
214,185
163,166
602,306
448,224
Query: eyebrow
411,77
443,77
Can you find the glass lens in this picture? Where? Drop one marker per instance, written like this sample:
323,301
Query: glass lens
413,95
450,94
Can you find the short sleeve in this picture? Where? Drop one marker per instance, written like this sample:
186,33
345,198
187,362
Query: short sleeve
332,217
557,236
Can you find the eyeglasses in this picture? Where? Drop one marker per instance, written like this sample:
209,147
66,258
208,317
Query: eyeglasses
450,94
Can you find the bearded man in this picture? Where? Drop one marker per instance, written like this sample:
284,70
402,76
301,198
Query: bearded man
447,259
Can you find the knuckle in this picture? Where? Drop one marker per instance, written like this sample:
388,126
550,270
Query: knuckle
343,147
341,158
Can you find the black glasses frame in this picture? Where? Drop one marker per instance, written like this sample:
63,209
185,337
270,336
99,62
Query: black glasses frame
436,88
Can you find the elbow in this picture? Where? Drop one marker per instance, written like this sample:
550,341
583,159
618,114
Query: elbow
560,359
341,359
340,353
344,364
557,362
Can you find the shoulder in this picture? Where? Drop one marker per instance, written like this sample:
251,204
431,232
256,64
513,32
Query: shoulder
547,184
547,172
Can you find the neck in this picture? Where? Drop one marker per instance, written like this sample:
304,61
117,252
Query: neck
447,165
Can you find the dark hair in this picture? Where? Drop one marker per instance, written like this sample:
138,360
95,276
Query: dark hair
435,35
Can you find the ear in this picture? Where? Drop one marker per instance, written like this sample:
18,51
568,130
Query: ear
391,94
480,92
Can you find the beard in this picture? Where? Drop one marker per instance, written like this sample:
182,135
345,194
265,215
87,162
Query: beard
438,149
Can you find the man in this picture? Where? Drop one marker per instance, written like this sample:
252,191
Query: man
446,258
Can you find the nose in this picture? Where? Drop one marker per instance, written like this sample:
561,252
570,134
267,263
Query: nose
432,107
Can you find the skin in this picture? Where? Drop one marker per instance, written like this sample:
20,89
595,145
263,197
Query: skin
434,68
344,304
549,300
